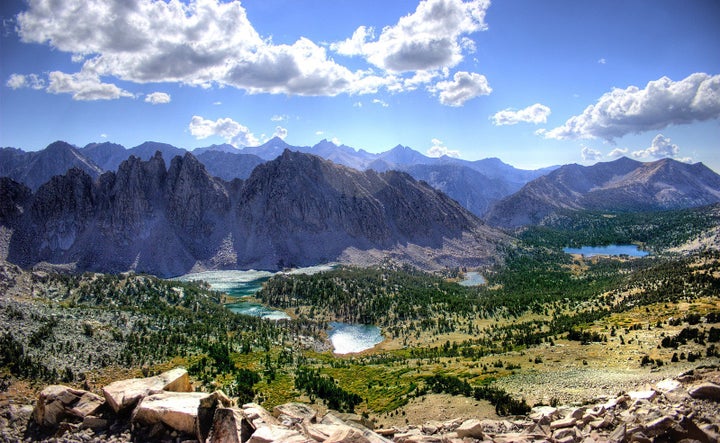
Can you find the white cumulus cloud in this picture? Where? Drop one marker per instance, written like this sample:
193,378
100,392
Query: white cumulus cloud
231,131
661,103
280,132
201,42
660,148
617,152
590,155
18,81
463,87
536,114
84,85
212,43
157,98
432,37
438,149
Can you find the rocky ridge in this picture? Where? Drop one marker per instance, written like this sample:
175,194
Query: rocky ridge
165,408
296,210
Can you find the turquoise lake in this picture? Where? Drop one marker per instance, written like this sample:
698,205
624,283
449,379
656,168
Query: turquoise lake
613,250
347,338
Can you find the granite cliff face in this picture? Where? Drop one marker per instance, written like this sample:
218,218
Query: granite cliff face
296,210
621,185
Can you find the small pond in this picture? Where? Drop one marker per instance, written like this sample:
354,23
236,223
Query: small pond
613,250
348,338
473,279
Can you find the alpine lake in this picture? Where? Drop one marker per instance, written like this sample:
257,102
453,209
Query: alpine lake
609,250
242,286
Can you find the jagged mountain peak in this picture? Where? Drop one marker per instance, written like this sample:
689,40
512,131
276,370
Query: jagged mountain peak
298,209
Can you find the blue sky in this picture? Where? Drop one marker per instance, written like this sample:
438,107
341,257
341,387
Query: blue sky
534,83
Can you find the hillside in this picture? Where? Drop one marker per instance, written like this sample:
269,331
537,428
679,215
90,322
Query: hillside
622,185
296,210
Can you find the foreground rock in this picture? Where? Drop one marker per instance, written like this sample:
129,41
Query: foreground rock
679,409
125,394
57,403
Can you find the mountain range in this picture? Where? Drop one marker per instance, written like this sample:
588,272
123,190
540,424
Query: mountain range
622,185
476,184
504,196
295,210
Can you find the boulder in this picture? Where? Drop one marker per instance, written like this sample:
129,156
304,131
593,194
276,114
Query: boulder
332,418
567,422
123,395
667,385
58,402
277,434
229,426
647,394
258,416
295,412
318,431
705,391
538,412
206,412
177,410
346,434
95,423
470,428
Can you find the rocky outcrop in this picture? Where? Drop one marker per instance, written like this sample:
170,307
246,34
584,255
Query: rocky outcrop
57,403
125,394
297,210
671,410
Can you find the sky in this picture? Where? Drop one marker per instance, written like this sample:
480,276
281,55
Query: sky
534,83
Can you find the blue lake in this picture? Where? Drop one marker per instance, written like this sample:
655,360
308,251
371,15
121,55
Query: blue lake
347,338
613,250
473,279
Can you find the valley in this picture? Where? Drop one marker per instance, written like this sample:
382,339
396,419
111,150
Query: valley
546,327
364,292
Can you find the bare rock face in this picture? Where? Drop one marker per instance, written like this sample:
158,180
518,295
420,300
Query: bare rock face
57,403
125,394
296,210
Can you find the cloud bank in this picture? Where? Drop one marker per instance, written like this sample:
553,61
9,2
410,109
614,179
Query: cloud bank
210,43
661,103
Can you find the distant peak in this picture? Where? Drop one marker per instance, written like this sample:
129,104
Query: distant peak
59,144
278,140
